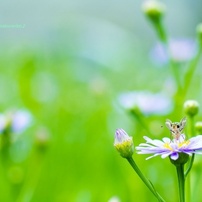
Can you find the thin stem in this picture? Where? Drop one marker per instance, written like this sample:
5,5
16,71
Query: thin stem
29,187
161,32
191,126
5,144
136,113
164,39
190,72
181,181
144,179
176,72
188,177
173,65
190,165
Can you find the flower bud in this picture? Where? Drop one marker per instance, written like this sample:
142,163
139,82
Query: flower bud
123,143
198,127
191,107
42,139
154,10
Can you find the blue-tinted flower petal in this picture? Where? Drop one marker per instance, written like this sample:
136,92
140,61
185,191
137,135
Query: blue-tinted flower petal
174,156
171,148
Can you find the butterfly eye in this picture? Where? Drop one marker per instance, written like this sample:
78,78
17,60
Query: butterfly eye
178,126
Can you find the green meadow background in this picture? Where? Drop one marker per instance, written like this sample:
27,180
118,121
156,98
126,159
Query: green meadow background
67,66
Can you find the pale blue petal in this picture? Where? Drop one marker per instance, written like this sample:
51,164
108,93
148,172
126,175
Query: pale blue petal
153,142
166,154
166,140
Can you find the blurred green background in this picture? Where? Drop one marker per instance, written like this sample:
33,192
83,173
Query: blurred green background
67,66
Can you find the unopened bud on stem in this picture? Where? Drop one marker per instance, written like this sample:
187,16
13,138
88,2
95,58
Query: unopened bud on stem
191,107
198,127
154,10
123,143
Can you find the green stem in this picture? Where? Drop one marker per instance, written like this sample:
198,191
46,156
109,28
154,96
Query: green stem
181,181
174,67
190,165
176,72
161,32
188,177
190,72
144,179
190,128
136,113
164,39
5,144
29,187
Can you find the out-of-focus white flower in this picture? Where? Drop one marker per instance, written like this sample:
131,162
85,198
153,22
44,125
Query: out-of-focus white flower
147,102
181,50
114,199
16,121
21,120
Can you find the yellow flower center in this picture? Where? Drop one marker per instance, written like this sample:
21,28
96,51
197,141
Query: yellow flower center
167,146
184,143
179,144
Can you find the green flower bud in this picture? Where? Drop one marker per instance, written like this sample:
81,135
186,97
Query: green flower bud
123,143
198,127
182,159
191,107
42,139
154,10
